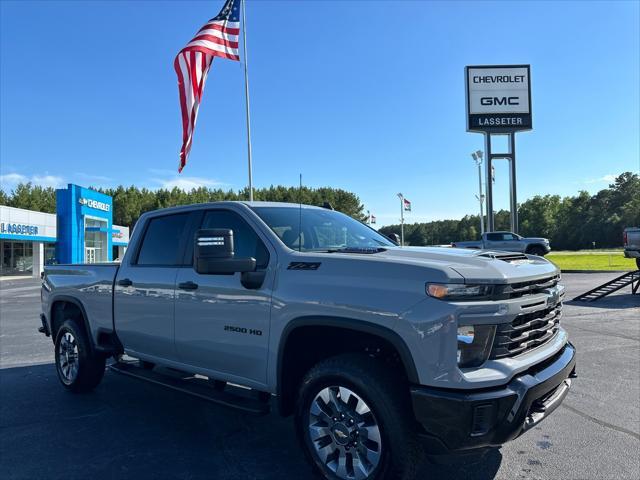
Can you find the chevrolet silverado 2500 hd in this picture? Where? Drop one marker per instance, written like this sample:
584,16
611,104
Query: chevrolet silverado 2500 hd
508,242
383,354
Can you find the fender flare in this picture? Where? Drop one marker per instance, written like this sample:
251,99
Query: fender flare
85,318
350,324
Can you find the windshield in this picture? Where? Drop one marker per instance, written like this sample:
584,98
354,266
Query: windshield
322,230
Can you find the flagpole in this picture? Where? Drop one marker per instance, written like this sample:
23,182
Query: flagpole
401,219
246,95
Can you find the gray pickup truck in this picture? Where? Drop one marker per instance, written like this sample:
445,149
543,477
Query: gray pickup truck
384,355
631,238
508,242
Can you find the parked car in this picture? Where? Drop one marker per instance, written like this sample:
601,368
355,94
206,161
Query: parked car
631,237
382,354
509,242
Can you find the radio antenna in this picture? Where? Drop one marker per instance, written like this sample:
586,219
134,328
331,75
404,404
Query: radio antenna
300,216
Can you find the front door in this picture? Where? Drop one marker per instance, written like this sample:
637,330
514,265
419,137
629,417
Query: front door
220,325
510,243
90,255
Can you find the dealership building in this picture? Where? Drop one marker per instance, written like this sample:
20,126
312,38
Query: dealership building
81,231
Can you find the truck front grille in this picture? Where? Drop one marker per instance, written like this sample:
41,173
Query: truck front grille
521,289
526,332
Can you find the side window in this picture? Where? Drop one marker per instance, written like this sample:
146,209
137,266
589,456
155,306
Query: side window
509,237
245,240
494,237
162,241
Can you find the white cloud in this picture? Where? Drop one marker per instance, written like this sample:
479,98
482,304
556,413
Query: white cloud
187,183
11,180
610,178
94,178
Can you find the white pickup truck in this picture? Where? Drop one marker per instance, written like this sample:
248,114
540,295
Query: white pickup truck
508,242
383,354
631,237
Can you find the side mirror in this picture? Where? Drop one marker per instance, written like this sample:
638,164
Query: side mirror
394,237
213,253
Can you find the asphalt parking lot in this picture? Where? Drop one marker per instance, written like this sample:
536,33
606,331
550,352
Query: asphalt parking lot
130,429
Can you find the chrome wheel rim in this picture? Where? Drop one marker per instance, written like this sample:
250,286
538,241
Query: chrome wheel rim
68,358
345,433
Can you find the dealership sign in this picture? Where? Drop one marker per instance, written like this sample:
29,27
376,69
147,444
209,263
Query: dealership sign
89,202
498,98
18,229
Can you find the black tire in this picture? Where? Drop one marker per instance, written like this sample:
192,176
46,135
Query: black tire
638,263
89,367
388,400
537,250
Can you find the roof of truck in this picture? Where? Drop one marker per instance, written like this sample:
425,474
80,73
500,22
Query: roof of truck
275,204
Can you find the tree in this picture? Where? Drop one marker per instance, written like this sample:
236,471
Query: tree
570,223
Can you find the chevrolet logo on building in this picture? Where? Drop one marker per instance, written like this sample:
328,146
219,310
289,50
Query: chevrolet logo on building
88,202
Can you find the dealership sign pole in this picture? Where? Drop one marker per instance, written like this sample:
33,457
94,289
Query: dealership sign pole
499,103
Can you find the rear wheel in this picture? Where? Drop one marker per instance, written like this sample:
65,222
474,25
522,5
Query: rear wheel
354,421
79,369
638,263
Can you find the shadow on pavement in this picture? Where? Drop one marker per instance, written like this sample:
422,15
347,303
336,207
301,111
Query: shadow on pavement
130,429
614,301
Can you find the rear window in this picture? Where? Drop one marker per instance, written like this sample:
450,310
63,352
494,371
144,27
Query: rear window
161,244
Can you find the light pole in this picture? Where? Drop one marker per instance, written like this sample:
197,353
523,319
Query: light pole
477,156
401,219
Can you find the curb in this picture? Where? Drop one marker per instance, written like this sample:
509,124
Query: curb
595,271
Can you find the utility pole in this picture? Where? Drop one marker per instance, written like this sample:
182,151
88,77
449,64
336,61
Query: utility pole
401,219
477,156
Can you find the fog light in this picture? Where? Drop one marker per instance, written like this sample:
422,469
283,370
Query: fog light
474,344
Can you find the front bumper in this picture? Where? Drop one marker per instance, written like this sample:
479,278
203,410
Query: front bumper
458,421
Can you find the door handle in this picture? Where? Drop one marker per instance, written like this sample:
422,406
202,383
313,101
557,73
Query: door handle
188,285
125,282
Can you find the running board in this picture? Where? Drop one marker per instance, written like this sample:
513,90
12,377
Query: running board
247,400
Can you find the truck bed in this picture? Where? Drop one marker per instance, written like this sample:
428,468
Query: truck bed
90,285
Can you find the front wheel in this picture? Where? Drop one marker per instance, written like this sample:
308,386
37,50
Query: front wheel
536,250
354,421
79,369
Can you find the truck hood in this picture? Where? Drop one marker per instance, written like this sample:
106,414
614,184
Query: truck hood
475,266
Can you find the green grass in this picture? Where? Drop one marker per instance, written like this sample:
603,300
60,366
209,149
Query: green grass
592,260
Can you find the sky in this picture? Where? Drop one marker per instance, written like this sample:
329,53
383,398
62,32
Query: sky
366,95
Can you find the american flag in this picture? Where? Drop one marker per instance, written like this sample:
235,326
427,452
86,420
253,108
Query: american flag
218,38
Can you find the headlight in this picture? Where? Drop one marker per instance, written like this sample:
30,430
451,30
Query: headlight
474,344
458,291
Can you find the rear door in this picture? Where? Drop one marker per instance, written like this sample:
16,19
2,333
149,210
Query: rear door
493,241
145,288
221,325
